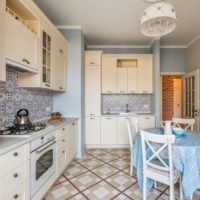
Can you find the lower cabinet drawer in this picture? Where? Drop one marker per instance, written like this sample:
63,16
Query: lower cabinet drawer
14,179
21,193
13,159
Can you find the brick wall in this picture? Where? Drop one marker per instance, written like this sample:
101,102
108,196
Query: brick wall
167,97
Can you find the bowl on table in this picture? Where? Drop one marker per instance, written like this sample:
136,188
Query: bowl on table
179,132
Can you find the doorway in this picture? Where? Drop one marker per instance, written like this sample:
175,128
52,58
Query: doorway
171,96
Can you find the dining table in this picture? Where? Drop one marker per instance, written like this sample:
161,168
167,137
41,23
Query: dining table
186,159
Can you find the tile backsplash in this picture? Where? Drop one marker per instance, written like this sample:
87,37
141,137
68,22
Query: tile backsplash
115,103
12,98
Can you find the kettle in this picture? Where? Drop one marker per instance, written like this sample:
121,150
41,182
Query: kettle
167,127
22,117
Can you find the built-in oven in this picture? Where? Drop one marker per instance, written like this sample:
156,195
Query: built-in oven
43,161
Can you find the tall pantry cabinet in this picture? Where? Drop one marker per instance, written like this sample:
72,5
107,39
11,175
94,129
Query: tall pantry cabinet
92,96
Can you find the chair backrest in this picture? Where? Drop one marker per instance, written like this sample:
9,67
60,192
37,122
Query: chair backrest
187,123
153,146
133,128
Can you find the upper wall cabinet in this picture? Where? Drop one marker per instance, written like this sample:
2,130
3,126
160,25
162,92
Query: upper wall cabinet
145,74
93,58
2,39
109,74
22,36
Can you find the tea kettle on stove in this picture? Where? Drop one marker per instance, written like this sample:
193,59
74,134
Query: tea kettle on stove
22,117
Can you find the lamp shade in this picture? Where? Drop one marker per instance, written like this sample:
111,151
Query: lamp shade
158,19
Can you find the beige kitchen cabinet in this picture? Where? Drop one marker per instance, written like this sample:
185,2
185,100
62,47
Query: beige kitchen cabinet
93,58
92,90
108,130
18,34
146,122
109,74
15,173
59,56
2,40
92,130
122,82
145,74
132,78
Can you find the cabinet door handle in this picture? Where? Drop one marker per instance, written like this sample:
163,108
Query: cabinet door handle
15,154
25,61
63,151
122,91
132,91
108,91
47,85
108,118
73,124
15,196
92,63
63,140
60,88
15,175
147,118
92,118
145,92
92,114
63,129
61,51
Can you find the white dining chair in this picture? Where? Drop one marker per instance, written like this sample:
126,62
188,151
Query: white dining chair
154,166
187,123
133,129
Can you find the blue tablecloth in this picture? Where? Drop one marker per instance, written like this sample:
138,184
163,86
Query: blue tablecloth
186,159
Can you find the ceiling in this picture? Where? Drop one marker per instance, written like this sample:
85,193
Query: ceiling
116,22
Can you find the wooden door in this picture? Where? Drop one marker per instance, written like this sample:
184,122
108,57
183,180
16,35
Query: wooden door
132,80
109,74
92,90
92,130
191,97
122,80
177,100
108,130
145,75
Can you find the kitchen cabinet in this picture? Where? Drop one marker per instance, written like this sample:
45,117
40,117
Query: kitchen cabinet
108,130
92,90
59,64
20,33
92,130
15,172
93,58
146,122
109,74
132,78
2,40
122,82
145,74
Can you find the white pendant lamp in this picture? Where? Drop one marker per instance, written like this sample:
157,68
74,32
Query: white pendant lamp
158,19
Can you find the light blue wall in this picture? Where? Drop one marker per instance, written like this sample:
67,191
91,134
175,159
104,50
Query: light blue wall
122,50
71,103
173,59
155,50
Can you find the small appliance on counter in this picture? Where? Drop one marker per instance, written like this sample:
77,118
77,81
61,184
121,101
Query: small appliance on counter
56,117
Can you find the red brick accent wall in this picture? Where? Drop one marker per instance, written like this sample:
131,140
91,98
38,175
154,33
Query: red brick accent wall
167,97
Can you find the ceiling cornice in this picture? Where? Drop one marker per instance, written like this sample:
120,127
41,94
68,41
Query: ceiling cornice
119,46
173,46
69,26
193,41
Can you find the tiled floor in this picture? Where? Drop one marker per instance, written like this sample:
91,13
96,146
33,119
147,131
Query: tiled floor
103,174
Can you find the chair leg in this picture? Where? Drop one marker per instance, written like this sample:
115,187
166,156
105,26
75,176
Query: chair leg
131,169
155,184
172,195
180,189
191,196
144,188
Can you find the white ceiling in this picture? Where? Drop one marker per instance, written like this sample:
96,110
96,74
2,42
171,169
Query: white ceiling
116,22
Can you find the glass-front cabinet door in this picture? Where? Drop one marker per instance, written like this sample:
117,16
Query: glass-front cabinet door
46,59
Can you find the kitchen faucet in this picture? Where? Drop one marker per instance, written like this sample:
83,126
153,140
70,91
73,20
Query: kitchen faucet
127,110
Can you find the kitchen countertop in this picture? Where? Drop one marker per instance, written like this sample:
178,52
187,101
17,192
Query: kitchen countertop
8,143
127,114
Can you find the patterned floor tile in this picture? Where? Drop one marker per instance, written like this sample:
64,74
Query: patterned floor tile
78,197
127,171
121,197
85,180
120,152
61,191
101,191
84,158
127,157
95,152
121,180
120,163
60,180
74,170
105,171
107,157
92,163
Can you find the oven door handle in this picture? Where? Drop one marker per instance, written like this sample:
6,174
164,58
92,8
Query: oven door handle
40,151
